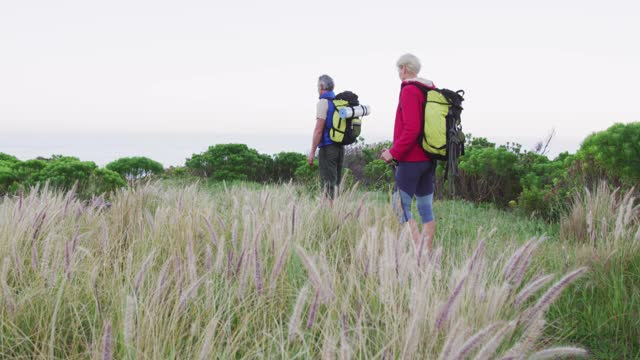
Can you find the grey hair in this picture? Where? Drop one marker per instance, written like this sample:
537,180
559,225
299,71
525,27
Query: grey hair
411,62
325,82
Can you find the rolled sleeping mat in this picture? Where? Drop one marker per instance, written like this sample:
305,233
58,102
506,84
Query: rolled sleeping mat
348,112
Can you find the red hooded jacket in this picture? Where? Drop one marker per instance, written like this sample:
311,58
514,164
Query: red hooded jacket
408,126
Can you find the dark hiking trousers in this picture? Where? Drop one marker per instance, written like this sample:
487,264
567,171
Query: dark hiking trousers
330,159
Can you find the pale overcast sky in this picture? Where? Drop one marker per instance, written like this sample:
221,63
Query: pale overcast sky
247,67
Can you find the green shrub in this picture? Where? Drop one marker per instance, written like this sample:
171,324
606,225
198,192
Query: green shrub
230,162
358,156
546,187
285,165
134,168
489,174
306,174
7,177
379,174
176,172
615,150
105,181
62,172
8,158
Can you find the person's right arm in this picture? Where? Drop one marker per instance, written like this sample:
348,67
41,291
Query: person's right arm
317,135
321,114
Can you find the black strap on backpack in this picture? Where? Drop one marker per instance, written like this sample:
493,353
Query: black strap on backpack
455,143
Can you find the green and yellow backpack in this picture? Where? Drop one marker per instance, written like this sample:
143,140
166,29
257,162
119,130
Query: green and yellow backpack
442,137
345,131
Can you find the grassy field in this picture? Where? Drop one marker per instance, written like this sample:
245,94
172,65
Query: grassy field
186,271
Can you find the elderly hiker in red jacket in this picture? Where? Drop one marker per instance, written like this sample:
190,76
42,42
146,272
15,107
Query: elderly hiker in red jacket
414,175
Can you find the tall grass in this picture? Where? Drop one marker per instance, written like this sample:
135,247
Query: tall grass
180,272
602,312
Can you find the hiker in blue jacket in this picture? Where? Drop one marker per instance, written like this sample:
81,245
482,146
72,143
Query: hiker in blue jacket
331,155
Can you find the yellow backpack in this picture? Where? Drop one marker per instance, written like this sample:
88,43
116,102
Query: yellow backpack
344,131
442,137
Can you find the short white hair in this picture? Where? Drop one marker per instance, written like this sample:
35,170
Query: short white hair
411,62
325,82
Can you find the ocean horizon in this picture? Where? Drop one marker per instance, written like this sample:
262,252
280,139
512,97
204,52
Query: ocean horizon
172,149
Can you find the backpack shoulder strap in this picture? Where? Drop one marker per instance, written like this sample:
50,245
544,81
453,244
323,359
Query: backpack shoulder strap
420,86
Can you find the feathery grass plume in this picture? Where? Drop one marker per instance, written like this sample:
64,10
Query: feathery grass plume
209,337
529,338
212,232
313,310
312,270
590,228
489,349
219,264
345,348
531,289
359,321
179,201
20,196
161,283
230,264
67,260
178,270
74,240
294,320
94,287
453,340
234,234
328,294
508,271
243,275
37,226
143,270
191,259
105,237
239,263
129,322
360,205
34,256
552,293
150,220
256,254
293,220
446,309
220,221
106,342
79,212
11,304
415,321
477,253
521,267
189,294
68,197
17,260
277,268
475,341
328,347
208,260
558,352
264,201
420,249
44,261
